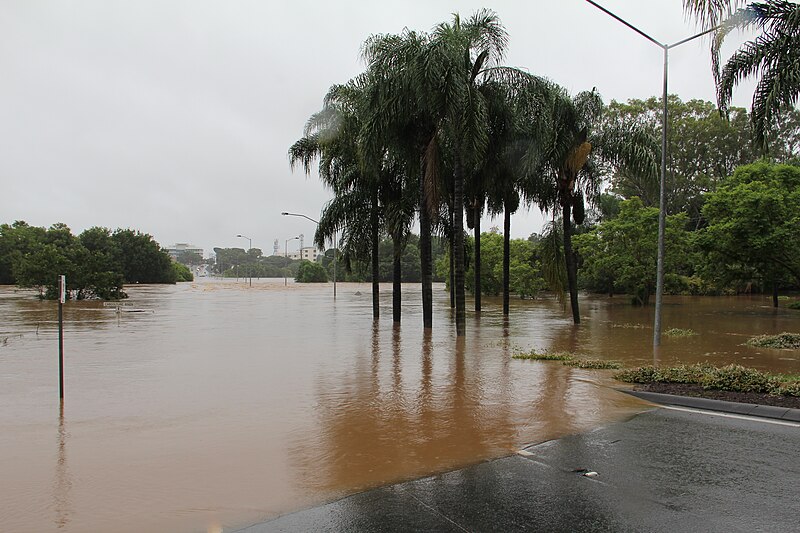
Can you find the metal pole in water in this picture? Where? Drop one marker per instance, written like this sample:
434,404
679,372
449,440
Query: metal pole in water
62,289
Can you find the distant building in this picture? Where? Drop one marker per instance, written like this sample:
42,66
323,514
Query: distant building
309,253
177,249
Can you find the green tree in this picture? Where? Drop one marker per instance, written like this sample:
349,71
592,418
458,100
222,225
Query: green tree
142,259
704,148
192,258
753,220
620,254
309,272
182,272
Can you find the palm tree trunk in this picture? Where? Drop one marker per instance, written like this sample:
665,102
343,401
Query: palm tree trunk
458,238
572,274
506,259
396,278
774,294
452,263
376,309
477,226
426,266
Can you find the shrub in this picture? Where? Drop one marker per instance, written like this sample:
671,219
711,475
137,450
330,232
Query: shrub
794,305
311,273
676,374
790,341
740,379
789,389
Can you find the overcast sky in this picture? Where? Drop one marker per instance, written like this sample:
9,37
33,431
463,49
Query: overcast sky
175,118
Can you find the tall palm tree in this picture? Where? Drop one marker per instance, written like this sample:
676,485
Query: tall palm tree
773,56
462,52
331,136
397,120
434,98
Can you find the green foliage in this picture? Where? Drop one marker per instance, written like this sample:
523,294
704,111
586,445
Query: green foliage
309,272
735,378
740,379
753,220
620,254
142,259
704,148
190,258
544,356
794,305
96,263
783,341
595,364
182,272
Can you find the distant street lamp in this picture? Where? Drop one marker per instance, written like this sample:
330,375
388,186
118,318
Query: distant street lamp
335,239
663,187
249,247
286,254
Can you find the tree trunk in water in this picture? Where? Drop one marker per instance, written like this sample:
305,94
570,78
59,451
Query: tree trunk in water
396,277
452,264
506,260
477,226
458,238
426,266
774,294
376,271
572,274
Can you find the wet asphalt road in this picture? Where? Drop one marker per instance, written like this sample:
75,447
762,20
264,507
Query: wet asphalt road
664,470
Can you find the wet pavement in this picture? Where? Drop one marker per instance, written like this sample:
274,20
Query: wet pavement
670,469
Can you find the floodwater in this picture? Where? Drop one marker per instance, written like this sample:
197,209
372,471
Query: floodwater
212,405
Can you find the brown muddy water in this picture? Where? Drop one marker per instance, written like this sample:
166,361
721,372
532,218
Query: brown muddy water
209,406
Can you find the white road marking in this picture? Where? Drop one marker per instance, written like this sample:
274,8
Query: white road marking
731,415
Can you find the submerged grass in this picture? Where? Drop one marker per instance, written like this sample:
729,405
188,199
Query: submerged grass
545,356
734,378
783,341
568,359
597,364
678,332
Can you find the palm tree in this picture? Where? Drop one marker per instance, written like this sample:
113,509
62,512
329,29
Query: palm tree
433,97
581,144
331,135
461,52
773,56
397,120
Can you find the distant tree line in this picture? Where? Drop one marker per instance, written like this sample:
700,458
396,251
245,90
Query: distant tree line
97,263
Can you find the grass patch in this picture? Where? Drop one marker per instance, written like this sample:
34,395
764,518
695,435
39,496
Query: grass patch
545,356
734,378
783,341
597,364
794,305
678,332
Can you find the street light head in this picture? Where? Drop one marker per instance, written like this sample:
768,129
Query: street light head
238,235
284,213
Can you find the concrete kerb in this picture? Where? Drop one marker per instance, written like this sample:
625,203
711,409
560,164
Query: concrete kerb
749,409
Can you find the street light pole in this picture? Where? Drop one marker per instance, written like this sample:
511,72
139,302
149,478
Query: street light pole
335,241
662,204
250,247
286,254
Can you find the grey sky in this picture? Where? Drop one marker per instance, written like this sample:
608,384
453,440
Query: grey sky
175,118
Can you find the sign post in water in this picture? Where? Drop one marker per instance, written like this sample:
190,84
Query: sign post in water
62,297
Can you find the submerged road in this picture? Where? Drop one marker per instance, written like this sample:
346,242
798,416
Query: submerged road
670,469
